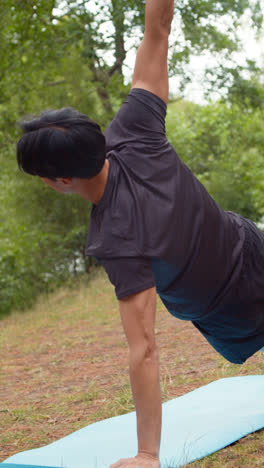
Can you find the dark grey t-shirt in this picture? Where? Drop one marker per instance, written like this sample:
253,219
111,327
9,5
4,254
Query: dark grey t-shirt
156,225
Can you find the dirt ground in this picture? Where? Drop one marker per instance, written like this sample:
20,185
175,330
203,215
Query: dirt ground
54,384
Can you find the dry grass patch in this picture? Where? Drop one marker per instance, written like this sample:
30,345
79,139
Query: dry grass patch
64,364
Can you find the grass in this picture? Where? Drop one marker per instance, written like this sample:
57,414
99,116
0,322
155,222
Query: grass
63,365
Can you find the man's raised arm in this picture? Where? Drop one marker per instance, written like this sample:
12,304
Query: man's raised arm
151,69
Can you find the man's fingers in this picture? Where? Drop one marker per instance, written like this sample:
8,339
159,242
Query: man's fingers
120,463
136,462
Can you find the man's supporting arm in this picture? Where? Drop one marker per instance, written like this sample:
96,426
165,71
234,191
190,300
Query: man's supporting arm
138,318
151,69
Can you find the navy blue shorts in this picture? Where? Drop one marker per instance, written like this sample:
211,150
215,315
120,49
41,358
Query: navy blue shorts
236,329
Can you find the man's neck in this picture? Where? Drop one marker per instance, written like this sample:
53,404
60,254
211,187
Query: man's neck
93,189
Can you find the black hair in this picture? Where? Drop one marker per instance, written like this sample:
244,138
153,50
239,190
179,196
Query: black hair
61,143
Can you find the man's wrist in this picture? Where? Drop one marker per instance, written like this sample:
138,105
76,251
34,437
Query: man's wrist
148,455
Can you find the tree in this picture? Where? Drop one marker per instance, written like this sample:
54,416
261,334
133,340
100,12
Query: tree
223,145
200,26
73,53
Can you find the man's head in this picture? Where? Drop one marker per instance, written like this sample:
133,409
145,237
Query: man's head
61,144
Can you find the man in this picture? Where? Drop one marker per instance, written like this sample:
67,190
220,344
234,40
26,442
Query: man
154,227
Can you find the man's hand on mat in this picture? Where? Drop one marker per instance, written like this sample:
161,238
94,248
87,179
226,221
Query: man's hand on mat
140,461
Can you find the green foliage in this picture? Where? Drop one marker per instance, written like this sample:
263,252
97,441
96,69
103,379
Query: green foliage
42,240
223,145
55,54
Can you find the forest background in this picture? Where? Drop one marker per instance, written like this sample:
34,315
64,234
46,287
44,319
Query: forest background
73,53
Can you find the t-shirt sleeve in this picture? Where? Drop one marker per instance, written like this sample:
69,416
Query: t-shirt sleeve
141,117
129,275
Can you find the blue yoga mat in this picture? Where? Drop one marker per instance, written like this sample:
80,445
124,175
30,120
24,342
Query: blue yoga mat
12,465
194,425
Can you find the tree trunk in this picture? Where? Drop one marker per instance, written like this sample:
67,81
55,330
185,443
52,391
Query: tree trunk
118,18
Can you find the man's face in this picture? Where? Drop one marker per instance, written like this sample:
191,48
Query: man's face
61,184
